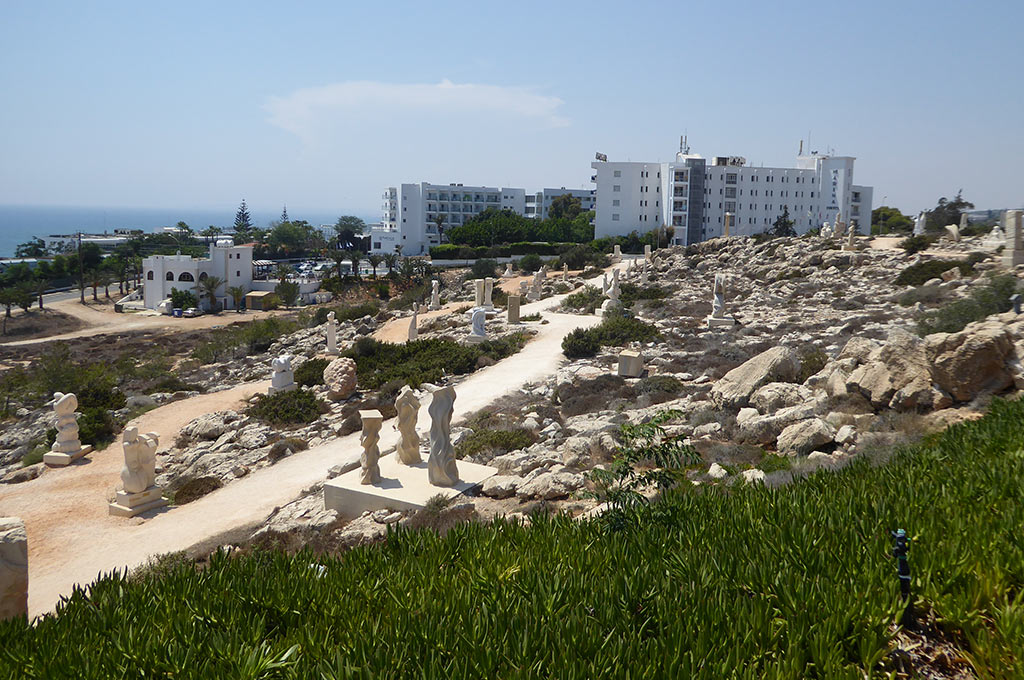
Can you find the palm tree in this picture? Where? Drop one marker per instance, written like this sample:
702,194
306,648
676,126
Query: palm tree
283,272
237,294
439,219
374,261
339,258
355,257
97,278
390,260
208,288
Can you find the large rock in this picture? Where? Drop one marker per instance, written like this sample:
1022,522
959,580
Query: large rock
211,425
803,437
501,486
13,568
550,485
755,429
733,390
973,361
776,395
900,367
340,377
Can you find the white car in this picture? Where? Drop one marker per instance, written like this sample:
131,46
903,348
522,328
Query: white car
192,311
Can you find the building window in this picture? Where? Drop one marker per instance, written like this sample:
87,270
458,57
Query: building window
615,203
170,276
203,276
616,187
617,173
149,275
730,192
615,217
238,273
185,276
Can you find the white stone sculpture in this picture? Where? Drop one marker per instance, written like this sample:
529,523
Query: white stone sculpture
478,292
920,223
718,317
963,222
332,334
283,379
441,467
644,273
839,227
647,253
435,295
138,476
368,461
543,272
413,330
408,407
995,238
479,322
851,243
1013,252
616,254
507,274
340,378
488,291
631,364
535,289
612,303
66,447
565,272
604,283
513,309
826,231
524,289
954,232
13,568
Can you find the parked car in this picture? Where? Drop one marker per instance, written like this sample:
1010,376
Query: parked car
192,311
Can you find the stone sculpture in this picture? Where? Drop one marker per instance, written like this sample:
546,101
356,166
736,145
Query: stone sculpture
138,476
413,330
612,303
616,254
996,238
524,288
513,309
488,291
647,253
408,407
332,334
13,568
435,295
604,283
826,231
478,292
954,232
507,274
1013,253
535,289
920,223
718,317
66,447
340,378
283,379
631,364
851,243
643,273
479,322
963,222
565,272
368,461
441,467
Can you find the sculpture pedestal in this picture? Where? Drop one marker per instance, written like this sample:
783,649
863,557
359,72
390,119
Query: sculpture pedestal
132,504
271,391
60,459
610,307
631,364
402,487
475,339
721,322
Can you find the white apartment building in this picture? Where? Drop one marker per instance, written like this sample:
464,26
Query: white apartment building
410,211
694,196
231,263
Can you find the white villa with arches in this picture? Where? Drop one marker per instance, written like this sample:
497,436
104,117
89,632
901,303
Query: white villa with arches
230,263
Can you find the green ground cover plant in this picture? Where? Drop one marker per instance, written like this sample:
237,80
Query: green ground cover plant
243,339
614,331
990,298
916,274
744,581
294,407
495,442
311,372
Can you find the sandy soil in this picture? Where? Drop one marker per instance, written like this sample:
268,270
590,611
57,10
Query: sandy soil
72,539
397,330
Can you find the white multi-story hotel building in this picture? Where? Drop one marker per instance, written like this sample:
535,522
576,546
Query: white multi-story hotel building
410,211
694,196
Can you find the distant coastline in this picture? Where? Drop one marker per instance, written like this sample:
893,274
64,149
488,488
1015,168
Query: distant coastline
20,223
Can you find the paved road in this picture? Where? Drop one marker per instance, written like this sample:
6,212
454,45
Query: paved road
90,543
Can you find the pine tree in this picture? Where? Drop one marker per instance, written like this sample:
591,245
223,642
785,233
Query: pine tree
284,215
243,223
783,226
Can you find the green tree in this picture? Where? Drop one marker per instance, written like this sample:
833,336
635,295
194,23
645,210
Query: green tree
355,257
565,206
183,299
886,220
283,271
374,260
347,229
208,289
339,257
35,247
783,226
288,291
947,212
243,224
439,220
237,294
290,238
211,231
390,261
284,214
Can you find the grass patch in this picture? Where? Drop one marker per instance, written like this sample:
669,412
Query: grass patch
531,317
35,455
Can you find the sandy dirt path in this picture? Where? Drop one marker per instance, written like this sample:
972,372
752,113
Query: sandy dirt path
72,540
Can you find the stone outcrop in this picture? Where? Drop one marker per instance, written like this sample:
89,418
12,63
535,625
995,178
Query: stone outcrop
733,390
13,568
806,436
973,361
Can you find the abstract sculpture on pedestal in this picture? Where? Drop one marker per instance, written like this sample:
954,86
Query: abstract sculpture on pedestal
535,289
340,378
954,232
647,253
368,461
479,323
612,303
920,223
332,334
413,330
826,231
616,253
565,272
441,466
435,295
718,317
66,447
507,274
408,407
488,291
478,292
283,379
604,283
138,476
524,289
513,309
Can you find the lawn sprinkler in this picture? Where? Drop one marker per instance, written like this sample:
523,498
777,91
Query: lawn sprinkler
900,548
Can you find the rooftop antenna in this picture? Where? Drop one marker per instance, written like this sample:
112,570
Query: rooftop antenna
801,148
684,148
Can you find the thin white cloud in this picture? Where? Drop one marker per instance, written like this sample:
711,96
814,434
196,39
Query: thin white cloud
304,110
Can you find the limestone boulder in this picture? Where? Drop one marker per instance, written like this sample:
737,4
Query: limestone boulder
13,568
778,395
733,390
210,426
501,486
899,367
973,361
860,349
340,377
551,486
806,436
766,429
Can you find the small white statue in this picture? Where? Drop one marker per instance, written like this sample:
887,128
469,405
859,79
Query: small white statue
826,231
408,407
524,289
920,223
954,232
507,274
718,301
604,283
283,378
488,291
332,334
613,292
413,330
441,467
565,272
139,471
435,294
617,253
478,320
478,292
369,460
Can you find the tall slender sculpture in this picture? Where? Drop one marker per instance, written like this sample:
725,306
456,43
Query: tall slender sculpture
413,330
718,317
368,461
332,334
920,223
488,291
441,467
408,407
435,295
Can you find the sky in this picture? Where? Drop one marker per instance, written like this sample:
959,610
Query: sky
321,105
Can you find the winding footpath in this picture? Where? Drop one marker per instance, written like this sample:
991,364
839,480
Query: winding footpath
72,540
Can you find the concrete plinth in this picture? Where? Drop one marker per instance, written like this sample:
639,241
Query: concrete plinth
631,364
402,487
475,339
274,390
132,504
59,459
721,322
609,307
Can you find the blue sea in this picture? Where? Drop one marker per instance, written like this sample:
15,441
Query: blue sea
19,223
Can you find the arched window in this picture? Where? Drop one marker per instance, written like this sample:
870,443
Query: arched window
170,276
149,275
185,276
202,276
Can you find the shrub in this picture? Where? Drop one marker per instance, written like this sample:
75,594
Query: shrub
660,383
923,294
311,372
619,329
580,343
183,299
35,455
96,426
248,338
915,244
483,269
173,383
530,263
916,274
991,298
494,442
587,396
630,293
812,360
296,406
586,300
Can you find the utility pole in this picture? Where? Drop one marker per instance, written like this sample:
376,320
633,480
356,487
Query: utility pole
81,270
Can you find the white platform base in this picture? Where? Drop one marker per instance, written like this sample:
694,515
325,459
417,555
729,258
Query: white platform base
132,504
721,322
403,487
475,339
274,390
55,459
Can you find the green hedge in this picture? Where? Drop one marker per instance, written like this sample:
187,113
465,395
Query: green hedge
752,582
454,252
